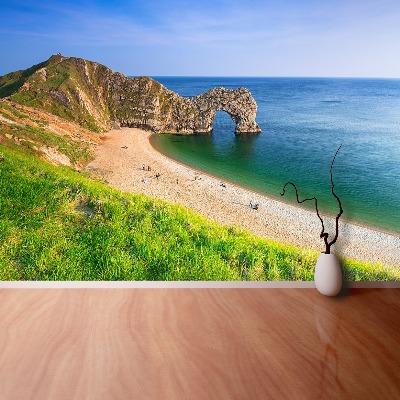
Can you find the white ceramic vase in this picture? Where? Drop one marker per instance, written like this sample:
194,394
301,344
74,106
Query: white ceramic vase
328,275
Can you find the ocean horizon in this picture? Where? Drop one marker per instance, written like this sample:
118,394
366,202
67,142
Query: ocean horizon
303,122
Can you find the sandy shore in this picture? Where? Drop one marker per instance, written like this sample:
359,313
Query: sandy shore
120,158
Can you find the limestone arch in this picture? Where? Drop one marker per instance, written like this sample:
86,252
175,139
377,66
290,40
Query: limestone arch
239,104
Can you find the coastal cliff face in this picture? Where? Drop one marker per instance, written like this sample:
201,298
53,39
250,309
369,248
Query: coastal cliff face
98,98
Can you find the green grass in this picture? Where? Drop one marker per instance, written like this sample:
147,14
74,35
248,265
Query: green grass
58,225
14,111
78,152
13,81
65,78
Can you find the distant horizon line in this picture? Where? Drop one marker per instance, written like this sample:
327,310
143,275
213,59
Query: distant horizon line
267,76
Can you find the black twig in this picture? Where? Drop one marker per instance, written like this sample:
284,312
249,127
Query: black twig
323,234
338,200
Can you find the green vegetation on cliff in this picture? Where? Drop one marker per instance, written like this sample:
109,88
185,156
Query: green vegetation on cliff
98,98
13,81
63,87
88,93
33,136
57,224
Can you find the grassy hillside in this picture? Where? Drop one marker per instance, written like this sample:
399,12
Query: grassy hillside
67,87
38,133
13,81
90,94
57,224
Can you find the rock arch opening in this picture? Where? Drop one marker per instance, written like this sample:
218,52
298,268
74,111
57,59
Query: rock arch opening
222,120
239,104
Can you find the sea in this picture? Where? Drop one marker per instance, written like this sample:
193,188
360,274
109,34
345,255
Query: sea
303,122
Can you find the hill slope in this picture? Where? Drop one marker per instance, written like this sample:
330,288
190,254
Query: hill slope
58,225
98,98
33,131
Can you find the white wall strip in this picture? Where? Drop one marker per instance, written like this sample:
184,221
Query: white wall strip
184,284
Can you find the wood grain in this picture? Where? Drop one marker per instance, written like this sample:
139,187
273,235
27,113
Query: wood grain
199,344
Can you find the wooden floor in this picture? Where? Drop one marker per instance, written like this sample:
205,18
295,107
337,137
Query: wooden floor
199,344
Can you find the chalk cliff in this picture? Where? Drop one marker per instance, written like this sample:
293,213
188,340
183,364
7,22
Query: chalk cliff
98,98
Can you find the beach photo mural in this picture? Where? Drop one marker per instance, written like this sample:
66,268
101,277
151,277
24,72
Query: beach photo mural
176,141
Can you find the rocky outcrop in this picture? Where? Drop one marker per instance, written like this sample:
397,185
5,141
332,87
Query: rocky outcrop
145,103
239,104
99,99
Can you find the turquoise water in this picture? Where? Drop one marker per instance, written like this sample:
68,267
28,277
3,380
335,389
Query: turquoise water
303,122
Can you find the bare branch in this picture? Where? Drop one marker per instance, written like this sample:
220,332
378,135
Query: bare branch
337,198
323,234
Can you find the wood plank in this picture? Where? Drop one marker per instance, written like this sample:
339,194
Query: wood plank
199,344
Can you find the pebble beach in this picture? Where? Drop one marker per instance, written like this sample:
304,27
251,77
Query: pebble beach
128,162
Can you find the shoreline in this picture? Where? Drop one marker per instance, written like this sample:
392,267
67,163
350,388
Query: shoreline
277,199
119,160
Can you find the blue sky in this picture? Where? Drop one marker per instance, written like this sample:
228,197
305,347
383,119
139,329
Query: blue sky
345,38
